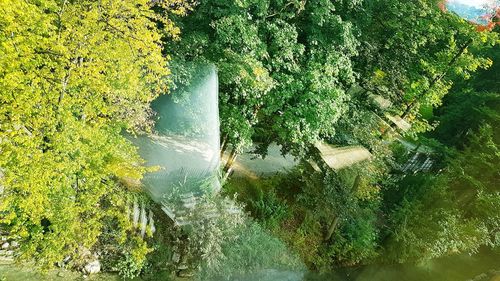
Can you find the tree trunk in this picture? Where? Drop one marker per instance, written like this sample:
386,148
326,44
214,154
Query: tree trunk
410,107
230,160
332,227
223,146
437,78
356,183
335,220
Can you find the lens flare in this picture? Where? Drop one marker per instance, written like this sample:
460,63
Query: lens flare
483,13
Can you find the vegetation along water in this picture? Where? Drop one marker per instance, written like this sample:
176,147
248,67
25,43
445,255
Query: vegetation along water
250,140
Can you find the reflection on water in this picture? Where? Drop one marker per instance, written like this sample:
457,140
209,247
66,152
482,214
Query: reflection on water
479,267
454,268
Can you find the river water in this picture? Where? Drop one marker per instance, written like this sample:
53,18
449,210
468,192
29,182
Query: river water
479,267
454,268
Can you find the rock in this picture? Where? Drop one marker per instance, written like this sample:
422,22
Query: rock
14,244
6,252
92,267
5,245
182,267
60,274
185,274
176,257
6,256
85,253
6,259
480,277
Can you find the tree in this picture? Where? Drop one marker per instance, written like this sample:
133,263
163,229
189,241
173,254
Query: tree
474,178
412,52
217,32
346,208
426,222
309,96
251,251
453,211
282,68
74,75
471,104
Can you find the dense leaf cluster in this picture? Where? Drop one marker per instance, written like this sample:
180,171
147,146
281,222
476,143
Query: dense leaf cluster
73,75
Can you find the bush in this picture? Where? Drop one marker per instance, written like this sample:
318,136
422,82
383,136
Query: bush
128,267
252,250
269,210
356,241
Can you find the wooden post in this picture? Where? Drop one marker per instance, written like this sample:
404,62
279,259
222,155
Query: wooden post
335,219
332,227
356,183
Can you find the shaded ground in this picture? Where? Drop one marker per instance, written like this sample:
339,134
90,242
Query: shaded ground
251,165
484,266
27,273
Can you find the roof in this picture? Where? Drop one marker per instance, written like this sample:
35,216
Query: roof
399,122
380,101
341,157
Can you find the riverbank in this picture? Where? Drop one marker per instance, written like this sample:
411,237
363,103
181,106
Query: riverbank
484,266
26,273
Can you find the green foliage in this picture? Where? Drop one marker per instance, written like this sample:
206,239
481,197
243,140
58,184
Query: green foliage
129,267
311,201
471,104
282,67
413,53
126,255
253,249
326,192
468,123
119,244
453,212
163,244
74,75
427,222
466,110
474,178
269,209
357,240
213,221
355,237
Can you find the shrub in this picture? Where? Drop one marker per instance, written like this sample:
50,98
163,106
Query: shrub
251,250
269,210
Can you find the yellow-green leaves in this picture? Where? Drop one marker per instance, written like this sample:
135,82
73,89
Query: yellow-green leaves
73,74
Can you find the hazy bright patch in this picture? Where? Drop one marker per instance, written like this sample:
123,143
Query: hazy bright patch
477,11
476,3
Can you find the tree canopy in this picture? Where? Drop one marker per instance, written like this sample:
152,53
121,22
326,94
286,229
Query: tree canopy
283,67
73,76
412,86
